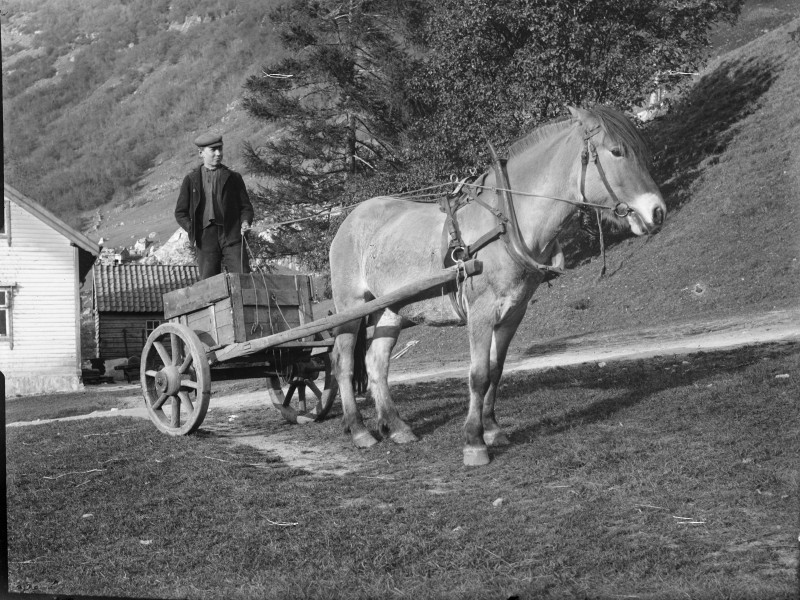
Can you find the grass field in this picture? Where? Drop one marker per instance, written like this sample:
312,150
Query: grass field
674,477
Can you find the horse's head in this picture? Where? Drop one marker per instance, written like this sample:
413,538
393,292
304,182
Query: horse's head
615,170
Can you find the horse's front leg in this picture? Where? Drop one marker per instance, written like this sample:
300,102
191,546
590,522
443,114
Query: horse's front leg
344,365
480,342
501,339
383,341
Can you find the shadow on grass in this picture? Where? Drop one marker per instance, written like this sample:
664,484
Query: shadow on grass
552,346
640,381
701,126
437,405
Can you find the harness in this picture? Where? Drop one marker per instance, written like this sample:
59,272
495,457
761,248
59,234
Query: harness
507,227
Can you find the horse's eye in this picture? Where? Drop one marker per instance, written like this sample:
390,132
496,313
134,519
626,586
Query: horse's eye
617,152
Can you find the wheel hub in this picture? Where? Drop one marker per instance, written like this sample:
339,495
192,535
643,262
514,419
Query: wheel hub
168,380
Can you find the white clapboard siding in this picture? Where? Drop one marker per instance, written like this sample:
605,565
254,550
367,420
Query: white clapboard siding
42,264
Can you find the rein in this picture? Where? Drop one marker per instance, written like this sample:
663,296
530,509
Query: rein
508,227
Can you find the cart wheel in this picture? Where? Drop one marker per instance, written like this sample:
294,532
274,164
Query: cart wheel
302,377
175,373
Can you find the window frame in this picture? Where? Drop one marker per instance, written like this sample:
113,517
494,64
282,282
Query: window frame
148,329
5,230
6,313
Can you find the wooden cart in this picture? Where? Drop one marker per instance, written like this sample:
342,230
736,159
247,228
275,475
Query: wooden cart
234,326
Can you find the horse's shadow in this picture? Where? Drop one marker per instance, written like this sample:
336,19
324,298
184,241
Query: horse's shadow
632,393
436,412
640,381
553,346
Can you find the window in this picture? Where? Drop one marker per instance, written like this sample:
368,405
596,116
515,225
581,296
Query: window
4,214
150,327
5,313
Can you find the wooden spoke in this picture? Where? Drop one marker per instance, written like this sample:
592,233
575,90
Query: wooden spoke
175,343
184,396
160,401
162,352
321,382
180,375
314,389
175,412
187,361
189,383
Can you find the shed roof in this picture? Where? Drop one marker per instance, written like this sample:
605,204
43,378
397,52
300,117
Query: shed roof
138,288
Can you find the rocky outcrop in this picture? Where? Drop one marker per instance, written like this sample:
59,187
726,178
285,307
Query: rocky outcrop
175,251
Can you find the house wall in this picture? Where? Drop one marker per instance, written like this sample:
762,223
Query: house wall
43,354
115,329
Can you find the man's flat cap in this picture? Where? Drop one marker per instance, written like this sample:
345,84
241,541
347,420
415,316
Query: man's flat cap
208,139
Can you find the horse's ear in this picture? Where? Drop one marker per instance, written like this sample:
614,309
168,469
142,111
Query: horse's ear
577,113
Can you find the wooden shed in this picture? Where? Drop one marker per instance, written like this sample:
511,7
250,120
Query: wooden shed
43,262
127,304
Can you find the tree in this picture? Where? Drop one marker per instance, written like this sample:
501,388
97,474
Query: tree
501,67
338,100
363,116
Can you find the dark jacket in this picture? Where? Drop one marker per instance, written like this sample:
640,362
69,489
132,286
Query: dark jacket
235,203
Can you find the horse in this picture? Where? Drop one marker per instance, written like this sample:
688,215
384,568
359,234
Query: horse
592,158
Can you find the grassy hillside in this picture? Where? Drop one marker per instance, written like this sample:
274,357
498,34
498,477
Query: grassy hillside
97,93
729,166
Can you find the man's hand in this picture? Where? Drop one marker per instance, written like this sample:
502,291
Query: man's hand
245,227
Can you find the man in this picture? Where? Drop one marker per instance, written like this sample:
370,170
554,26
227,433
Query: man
214,209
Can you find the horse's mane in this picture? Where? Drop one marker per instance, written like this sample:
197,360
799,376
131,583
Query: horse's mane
539,134
615,125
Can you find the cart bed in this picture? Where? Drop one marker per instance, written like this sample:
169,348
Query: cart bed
239,307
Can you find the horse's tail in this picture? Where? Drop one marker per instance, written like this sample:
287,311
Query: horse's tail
360,378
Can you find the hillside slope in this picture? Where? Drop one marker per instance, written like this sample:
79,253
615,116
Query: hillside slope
99,93
103,97
729,167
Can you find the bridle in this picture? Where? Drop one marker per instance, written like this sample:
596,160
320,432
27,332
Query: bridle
507,227
589,152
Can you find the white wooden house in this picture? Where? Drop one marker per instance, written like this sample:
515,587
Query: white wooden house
43,262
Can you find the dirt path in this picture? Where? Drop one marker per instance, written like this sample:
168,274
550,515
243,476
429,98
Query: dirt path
336,457
701,336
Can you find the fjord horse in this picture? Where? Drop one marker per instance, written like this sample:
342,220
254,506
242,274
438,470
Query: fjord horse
595,158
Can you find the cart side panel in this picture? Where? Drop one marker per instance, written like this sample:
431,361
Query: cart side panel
212,324
238,307
262,320
196,296
273,303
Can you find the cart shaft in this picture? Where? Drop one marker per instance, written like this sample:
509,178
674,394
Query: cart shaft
404,293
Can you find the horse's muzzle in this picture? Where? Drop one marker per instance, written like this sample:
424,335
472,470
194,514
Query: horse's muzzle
647,214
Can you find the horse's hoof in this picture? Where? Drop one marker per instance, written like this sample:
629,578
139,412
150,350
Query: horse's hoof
403,437
364,439
495,438
476,456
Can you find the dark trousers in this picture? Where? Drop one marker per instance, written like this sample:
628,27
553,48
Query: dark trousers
214,254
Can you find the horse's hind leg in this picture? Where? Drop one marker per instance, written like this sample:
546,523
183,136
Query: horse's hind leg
503,333
383,340
344,365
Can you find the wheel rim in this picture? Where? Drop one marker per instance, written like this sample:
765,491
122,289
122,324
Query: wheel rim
289,393
176,379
